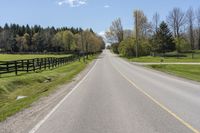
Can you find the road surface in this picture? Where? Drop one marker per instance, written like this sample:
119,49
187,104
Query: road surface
118,97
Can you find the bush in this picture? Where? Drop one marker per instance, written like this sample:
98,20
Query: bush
127,47
114,47
174,55
182,45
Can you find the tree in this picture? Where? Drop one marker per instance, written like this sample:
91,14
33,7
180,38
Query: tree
85,38
46,36
26,42
182,44
198,25
38,43
67,40
114,47
115,34
190,17
78,42
19,41
176,21
141,27
4,40
156,21
126,47
16,38
164,39
57,42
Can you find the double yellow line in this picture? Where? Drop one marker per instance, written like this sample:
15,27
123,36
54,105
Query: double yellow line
158,103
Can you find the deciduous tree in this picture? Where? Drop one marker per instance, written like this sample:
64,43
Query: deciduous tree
176,21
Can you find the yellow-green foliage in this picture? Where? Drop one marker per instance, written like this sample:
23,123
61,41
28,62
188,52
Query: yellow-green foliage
182,44
128,47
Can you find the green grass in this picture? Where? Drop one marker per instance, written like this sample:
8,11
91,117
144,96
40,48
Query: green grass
191,72
7,57
34,85
168,59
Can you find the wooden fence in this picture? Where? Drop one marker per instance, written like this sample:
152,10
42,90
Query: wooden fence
28,65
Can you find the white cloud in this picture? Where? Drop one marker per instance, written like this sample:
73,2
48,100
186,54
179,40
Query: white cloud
73,3
102,34
107,6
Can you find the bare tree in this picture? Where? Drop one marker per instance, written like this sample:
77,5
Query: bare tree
115,32
198,24
190,17
141,27
176,21
136,18
155,21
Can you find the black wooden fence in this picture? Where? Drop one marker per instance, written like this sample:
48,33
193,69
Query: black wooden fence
28,65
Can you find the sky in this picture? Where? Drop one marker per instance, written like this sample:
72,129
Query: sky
95,14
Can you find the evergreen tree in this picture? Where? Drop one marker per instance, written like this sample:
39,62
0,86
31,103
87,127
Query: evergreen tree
164,41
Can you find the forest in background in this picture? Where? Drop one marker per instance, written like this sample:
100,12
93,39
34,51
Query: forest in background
31,39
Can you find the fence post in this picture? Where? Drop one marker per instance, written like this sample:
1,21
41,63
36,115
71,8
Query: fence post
52,63
49,63
22,65
7,66
15,67
41,61
45,63
34,65
27,66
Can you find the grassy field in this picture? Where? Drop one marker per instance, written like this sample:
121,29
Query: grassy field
7,57
191,72
188,58
34,86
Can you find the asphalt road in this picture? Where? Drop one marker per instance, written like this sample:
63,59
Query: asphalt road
118,97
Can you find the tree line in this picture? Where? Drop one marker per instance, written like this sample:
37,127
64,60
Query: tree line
15,38
179,32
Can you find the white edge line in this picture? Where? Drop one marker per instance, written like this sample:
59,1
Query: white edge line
38,125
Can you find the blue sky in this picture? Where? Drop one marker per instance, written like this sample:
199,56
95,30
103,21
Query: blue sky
97,14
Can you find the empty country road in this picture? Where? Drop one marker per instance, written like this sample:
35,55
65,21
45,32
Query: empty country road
119,97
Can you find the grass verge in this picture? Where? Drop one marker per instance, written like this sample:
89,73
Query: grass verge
34,86
188,58
166,59
191,72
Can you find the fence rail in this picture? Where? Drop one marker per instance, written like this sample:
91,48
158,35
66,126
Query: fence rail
28,65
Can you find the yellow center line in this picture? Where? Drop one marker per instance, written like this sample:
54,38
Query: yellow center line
158,103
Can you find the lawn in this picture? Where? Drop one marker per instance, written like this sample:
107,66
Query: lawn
7,57
191,72
34,86
188,58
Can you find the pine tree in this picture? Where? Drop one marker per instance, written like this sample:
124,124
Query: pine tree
164,39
